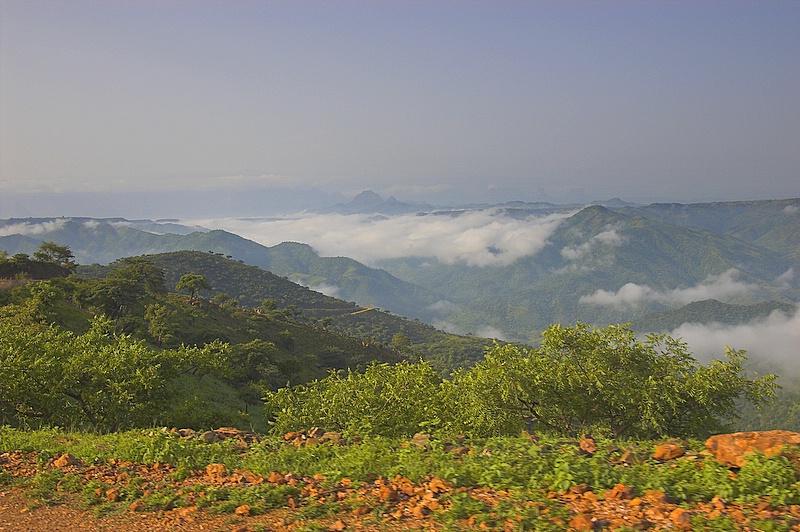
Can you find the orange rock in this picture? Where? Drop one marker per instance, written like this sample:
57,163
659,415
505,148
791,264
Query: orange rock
65,460
668,451
730,449
588,445
385,493
242,510
216,471
581,522
420,511
112,495
620,491
338,525
135,506
438,485
680,518
655,496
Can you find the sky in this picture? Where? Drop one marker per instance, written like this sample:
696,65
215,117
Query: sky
176,108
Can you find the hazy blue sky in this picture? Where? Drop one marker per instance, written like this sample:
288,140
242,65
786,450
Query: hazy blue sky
251,102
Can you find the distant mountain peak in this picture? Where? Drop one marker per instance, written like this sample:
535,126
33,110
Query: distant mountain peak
370,202
366,197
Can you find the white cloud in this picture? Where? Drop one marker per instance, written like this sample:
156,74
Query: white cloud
611,237
775,338
32,229
791,209
443,307
324,288
477,238
492,332
448,327
785,279
720,286
91,224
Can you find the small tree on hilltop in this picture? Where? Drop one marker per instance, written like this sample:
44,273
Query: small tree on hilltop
193,283
55,254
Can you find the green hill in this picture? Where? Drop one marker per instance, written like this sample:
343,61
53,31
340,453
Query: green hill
251,285
772,224
709,311
596,248
104,241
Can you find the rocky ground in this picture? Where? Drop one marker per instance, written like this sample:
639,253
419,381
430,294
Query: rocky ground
64,492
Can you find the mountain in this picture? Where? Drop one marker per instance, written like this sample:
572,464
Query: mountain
251,285
709,311
369,202
105,240
595,248
772,224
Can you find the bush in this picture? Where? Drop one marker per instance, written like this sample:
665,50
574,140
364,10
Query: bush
98,379
387,400
580,379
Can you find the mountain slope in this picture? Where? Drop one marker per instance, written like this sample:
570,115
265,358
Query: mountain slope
251,285
103,241
772,224
596,248
709,311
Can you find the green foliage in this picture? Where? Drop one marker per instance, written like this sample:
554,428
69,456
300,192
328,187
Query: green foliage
584,378
580,379
193,283
56,254
526,468
99,379
387,400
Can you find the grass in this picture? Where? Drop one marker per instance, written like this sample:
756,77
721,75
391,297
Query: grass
525,471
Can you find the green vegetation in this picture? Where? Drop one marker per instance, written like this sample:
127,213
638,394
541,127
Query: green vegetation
709,311
98,379
579,380
123,351
530,480
249,287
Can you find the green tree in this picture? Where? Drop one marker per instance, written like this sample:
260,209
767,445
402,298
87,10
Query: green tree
224,301
388,400
160,323
583,378
56,254
98,379
400,342
193,283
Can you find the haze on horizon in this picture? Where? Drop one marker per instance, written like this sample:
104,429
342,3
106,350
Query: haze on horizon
218,109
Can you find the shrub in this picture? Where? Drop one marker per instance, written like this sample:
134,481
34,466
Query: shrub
388,400
580,379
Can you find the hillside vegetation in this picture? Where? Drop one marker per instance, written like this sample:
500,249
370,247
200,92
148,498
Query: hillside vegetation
250,286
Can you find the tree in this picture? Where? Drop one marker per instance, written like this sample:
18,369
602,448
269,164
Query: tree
400,342
193,283
583,378
56,254
98,379
224,301
146,275
388,400
159,323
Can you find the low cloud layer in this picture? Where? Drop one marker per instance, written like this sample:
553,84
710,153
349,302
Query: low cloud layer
611,237
480,238
775,338
722,286
327,289
32,229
